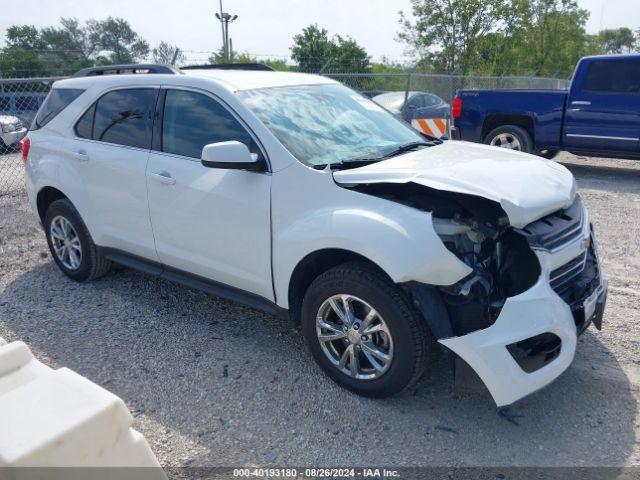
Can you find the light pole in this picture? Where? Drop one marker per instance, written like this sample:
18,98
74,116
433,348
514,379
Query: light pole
225,19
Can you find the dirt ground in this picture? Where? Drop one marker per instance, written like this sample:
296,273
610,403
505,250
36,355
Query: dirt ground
214,383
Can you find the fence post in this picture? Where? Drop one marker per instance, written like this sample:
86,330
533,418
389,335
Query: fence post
452,87
407,88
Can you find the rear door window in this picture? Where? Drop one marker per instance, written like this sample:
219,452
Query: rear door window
122,117
57,100
618,76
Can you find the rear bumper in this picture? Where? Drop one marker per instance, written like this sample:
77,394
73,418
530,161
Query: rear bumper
534,338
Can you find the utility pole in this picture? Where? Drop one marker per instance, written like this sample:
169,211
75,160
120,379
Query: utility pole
225,19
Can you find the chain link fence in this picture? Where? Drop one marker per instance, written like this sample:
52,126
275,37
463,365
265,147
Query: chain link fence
20,100
444,86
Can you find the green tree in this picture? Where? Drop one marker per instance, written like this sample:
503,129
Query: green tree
63,49
446,33
117,41
236,57
277,64
617,40
21,57
314,51
167,54
555,37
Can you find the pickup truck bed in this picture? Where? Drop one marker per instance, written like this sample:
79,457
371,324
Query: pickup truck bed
539,111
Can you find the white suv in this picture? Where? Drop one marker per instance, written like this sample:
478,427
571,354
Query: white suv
294,194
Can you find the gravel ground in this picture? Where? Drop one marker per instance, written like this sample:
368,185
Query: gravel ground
214,383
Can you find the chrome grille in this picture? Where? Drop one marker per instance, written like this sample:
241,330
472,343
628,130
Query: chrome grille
561,277
557,229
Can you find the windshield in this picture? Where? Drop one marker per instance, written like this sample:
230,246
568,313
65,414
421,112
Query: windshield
328,123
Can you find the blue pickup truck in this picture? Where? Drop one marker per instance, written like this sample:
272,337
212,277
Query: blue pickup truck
598,116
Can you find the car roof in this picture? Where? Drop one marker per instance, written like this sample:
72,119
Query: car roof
233,80
614,56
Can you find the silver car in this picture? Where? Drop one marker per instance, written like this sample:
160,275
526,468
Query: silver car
12,130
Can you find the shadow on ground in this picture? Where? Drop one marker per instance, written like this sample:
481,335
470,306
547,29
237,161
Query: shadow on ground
615,179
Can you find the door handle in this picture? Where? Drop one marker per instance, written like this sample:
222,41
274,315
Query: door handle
581,102
81,156
164,177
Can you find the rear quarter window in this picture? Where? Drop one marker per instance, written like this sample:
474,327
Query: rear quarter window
57,100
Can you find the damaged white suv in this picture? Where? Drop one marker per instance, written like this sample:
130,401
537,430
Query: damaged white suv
294,194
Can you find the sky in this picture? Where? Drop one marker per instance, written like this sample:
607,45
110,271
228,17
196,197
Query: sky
265,27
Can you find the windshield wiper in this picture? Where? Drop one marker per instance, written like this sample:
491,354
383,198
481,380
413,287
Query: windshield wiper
361,161
407,148
351,163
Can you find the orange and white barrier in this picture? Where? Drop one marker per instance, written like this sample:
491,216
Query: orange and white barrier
435,127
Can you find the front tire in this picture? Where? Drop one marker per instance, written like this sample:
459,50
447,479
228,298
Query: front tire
511,137
71,245
363,331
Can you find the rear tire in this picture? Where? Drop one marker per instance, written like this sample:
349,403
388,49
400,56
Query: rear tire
71,245
511,137
402,334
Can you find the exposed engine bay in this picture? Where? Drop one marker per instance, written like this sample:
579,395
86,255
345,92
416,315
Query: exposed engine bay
477,231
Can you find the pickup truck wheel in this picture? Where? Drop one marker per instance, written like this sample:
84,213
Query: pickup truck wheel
363,331
71,245
511,137
549,154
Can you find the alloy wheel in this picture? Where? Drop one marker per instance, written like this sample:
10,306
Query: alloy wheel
506,140
66,243
354,337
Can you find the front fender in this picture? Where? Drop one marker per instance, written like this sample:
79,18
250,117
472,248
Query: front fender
399,239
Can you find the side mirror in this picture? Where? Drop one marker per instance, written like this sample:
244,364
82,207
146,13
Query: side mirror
230,155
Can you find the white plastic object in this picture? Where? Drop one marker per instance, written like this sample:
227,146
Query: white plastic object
57,418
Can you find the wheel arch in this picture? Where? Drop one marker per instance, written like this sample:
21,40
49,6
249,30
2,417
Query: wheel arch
46,196
315,264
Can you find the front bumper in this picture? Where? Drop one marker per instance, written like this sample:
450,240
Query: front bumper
534,338
13,138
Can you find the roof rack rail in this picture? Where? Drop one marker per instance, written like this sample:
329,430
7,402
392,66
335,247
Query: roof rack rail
231,66
138,68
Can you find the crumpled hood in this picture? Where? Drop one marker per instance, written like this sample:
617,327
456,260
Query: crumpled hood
527,187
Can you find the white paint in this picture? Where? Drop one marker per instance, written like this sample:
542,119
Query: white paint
56,418
227,152
527,187
535,311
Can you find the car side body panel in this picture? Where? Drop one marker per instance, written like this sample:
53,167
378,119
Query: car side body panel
310,212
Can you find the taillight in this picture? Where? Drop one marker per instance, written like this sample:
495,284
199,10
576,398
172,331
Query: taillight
25,146
456,109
